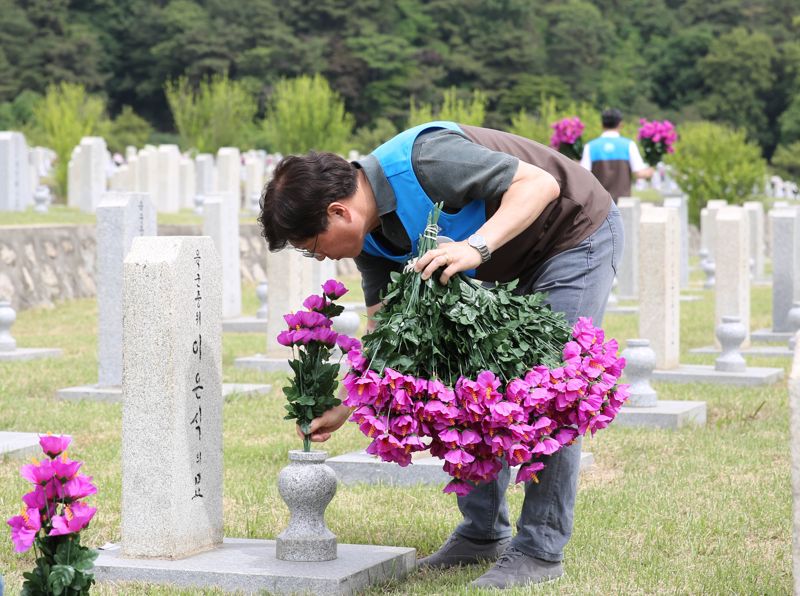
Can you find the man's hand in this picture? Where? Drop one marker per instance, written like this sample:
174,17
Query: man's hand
321,428
453,256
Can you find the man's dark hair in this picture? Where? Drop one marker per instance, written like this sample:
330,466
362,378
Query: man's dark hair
294,204
611,118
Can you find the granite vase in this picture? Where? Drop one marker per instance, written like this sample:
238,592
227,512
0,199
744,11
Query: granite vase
307,486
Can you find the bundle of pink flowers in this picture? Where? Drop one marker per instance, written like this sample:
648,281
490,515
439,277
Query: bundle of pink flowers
566,131
479,422
658,138
54,506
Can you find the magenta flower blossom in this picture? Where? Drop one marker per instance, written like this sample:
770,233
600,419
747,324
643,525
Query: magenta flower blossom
53,446
306,320
458,487
356,360
566,131
24,528
403,425
458,457
518,454
64,469
76,517
38,472
315,302
347,343
657,138
528,472
77,488
334,289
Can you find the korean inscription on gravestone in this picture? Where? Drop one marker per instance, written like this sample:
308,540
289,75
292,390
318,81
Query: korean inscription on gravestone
197,350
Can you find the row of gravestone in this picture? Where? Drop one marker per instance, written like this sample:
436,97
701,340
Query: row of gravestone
21,168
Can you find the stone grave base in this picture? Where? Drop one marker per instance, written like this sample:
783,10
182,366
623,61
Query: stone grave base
770,336
763,351
250,566
244,325
114,394
690,298
688,373
359,467
30,354
622,310
665,414
263,363
19,445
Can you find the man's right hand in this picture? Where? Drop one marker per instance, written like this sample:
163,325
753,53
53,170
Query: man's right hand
323,427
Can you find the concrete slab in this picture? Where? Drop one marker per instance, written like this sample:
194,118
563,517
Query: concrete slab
360,467
770,336
244,325
690,298
688,373
622,310
665,414
250,566
114,394
21,354
263,363
763,351
19,445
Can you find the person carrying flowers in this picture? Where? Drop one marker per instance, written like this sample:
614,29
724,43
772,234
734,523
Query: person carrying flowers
614,159
515,209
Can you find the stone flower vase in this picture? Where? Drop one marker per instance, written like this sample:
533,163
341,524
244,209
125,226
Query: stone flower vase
306,485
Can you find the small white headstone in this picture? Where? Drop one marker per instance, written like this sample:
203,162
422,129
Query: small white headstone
732,268
221,223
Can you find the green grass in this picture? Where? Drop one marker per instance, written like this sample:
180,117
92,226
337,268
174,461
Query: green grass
694,511
61,215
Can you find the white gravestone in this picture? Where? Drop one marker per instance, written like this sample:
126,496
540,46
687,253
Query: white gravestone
120,218
172,399
659,284
206,180
73,178
221,223
92,173
147,172
167,199
794,424
709,233
229,172
187,183
732,250
784,223
16,190
628,269
682,206
254,177
755,214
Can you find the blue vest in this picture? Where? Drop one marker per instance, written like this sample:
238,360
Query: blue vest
608,148
413,205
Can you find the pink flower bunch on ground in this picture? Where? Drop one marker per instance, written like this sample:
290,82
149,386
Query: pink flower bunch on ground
566,131
657,138
54,506
480,422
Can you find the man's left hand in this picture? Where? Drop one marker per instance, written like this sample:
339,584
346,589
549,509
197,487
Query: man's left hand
453,256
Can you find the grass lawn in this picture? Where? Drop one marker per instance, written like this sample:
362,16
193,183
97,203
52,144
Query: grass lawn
694,511
62,215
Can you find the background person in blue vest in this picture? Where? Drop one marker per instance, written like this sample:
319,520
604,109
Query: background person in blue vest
515,209
613,159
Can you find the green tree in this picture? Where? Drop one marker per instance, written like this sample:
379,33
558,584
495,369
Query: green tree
713,161
218,112
304,114
738,75
786,160
128,128
366,139
453,108
790,122
539,126
61,119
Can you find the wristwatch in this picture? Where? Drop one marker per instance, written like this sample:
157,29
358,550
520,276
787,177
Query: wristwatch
477,242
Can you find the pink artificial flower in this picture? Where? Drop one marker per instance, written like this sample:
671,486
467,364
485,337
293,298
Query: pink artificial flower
24,528
78,487
372,426
458,457
306,319
528,472
356,360
518,454
315,302
38,473
347,343
566,435
361,389
53,446
36,499
403,425
64,468
584,332
75,518
488,385
324,336
504,413
500,443
459,487
546,446
334,289
517,390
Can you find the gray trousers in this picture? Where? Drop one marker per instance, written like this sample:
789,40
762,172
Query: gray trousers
577,282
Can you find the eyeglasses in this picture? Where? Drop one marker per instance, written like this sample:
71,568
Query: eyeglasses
311,254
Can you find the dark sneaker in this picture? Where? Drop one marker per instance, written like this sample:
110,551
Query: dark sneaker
459,550
515,568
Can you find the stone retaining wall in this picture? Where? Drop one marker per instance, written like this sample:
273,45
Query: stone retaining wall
42,264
